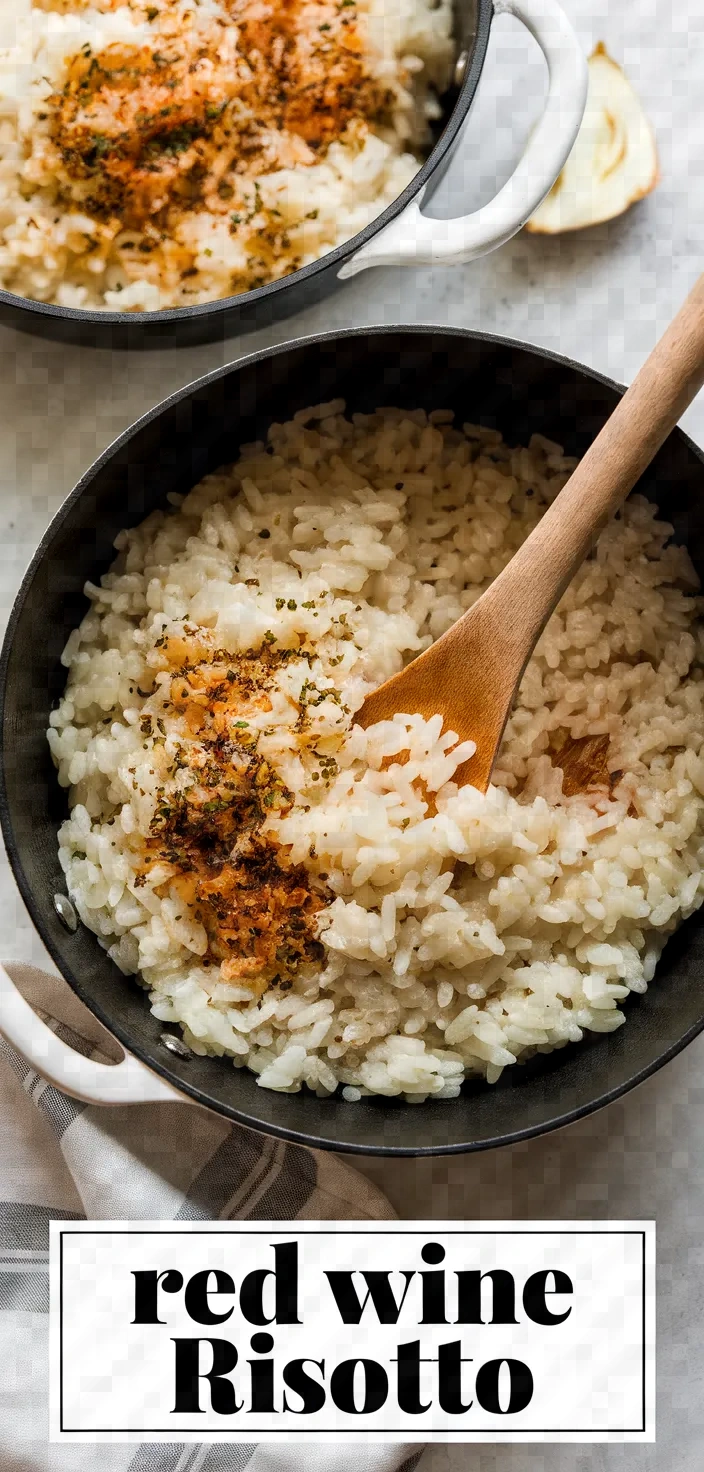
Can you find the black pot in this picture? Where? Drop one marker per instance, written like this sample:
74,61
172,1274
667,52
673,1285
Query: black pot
540,166
496,382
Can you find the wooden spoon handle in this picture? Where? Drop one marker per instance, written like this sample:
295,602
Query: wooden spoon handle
532,584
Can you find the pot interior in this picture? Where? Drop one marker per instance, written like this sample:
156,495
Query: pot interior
503,385
189,325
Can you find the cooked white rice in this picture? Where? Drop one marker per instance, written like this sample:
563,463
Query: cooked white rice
251,203
461,932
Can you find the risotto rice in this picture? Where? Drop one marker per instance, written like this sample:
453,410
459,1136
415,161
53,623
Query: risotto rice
321,903
162,154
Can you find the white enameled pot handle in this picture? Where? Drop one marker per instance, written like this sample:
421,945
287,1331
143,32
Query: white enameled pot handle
416,239
128,1082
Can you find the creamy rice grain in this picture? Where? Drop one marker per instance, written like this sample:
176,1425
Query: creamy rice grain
163,153
319,902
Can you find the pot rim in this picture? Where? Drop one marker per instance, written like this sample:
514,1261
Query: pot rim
202,310
192,1091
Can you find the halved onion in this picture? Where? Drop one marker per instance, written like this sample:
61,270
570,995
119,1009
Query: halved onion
614,161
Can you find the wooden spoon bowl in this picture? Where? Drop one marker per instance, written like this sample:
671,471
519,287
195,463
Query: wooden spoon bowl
471,674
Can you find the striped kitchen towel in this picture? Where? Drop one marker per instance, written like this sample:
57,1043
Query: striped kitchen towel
60,1159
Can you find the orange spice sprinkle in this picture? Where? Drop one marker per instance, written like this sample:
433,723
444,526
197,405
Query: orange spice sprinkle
257,908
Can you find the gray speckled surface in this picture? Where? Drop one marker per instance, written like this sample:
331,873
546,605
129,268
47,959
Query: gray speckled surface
601,297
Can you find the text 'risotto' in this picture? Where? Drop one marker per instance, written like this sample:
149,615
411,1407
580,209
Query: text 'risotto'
320,902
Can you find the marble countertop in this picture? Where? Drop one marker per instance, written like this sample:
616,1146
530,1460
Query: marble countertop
602,297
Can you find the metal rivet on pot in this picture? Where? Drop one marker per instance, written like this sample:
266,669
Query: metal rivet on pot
66,913
175,1044
460,68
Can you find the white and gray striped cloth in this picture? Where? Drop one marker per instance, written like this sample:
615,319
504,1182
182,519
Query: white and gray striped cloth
60,1159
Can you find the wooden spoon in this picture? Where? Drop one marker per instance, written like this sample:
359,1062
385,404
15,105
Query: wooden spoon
470,675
